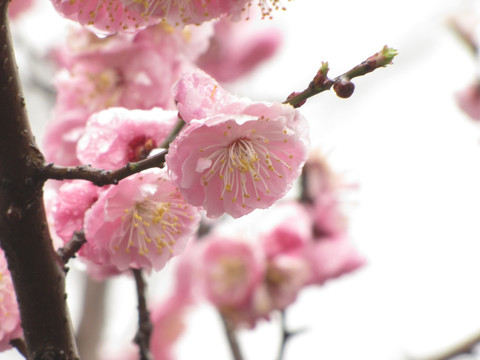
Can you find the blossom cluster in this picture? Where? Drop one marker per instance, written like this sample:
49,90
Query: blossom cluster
115,105
137,71
258,264
120,98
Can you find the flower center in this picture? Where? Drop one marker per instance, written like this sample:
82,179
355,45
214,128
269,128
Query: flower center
151,225
139,148
247,165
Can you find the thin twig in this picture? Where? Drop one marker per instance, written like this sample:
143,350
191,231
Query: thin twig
20,345
71,248
286,334
464,347
176,130
231,337
321,82
142,338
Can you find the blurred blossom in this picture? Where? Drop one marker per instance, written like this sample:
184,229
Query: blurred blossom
468,100
237,48
10,327
230,271
130,71
17,7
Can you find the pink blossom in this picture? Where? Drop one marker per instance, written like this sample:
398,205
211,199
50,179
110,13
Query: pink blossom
104,17
10,327
131,16
330,258
116,136
140,223
469,100
237,48
73,199
197,11
61,136
18,7
116,71
230,270
236,155
285,276
285,229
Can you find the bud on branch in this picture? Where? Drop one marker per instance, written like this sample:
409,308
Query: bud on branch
342,84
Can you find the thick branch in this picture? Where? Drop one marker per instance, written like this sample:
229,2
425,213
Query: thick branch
321,82
37,275
19,344
142,338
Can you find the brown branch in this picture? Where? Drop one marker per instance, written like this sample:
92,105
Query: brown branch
231,337
341,84
101,177
20,345
142,338
71,248
37,275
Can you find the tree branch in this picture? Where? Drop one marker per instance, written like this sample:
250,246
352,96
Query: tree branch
71,248
286,334
231,337
464,347
142,338
341,84
101,177
37,275
20,345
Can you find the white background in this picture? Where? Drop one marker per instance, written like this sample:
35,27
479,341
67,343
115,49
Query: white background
415,156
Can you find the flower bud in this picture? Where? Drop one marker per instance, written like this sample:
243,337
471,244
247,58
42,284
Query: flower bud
344,88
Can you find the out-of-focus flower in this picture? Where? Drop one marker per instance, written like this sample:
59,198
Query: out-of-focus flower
468,100
116,71
285,229
237,48
116,136
18,7
231,269
235,155
61,137
331,258
10,327
140,223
